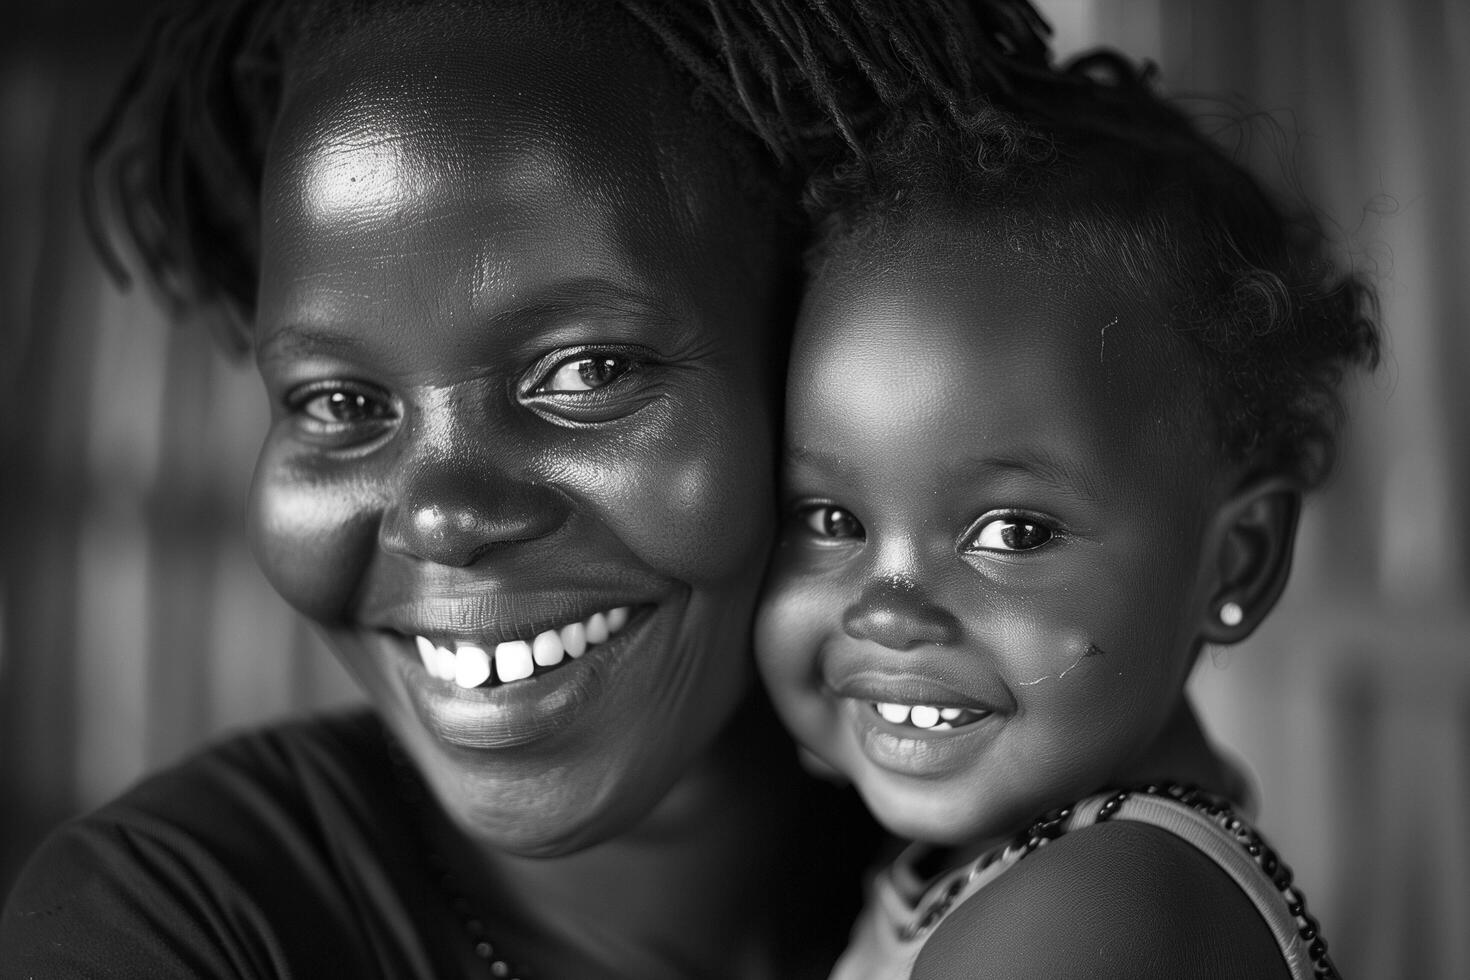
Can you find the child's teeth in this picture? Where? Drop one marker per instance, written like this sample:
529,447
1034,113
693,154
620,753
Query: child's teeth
513,661
927,716
471,666
895,713
427,654
547,650
574,639
446,664
597,629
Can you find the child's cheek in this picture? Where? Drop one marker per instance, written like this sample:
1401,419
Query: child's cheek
799,613
313,534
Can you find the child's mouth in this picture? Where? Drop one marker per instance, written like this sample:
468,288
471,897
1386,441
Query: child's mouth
927,717
471,663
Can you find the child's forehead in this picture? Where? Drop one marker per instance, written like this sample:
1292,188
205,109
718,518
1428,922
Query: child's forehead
950,306
978,278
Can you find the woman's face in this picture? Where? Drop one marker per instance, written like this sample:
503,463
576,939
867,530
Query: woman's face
516,332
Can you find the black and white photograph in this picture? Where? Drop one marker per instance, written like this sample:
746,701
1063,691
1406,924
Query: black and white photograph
735,489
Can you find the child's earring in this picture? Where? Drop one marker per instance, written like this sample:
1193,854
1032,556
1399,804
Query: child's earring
1247,558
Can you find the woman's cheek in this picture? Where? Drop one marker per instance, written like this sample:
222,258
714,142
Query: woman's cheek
689,504
313,535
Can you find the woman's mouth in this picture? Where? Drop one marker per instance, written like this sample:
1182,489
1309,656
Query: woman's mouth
472,663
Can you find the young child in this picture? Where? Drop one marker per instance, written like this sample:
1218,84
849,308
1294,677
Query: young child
1060,381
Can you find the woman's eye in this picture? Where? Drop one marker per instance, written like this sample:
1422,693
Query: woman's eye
832,522
1011,534
345,407
586,372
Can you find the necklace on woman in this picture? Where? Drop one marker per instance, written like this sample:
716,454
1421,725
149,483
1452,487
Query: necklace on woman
415,797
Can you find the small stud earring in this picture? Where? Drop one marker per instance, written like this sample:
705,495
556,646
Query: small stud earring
1231,614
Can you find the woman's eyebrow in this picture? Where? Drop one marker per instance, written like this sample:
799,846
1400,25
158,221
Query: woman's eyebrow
297,339
582,295
563,299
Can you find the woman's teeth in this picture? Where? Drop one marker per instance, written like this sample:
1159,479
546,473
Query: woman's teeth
926,715
471,665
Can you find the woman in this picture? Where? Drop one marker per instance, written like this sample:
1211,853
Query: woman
518,294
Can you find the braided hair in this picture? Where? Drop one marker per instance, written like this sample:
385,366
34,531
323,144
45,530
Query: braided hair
174,171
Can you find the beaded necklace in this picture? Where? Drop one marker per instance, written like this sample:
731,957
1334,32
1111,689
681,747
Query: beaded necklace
1053,824
416,797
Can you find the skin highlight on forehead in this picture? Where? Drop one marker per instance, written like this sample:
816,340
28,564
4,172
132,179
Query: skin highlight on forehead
381,145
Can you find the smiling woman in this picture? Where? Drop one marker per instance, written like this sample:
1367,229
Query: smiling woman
517,278
444,286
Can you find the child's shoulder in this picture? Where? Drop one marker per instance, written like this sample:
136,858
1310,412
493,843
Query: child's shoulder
1123,898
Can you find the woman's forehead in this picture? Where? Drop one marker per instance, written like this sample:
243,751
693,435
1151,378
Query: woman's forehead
500,130
467,173
433,111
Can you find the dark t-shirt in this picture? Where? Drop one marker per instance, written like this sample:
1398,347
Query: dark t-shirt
291,853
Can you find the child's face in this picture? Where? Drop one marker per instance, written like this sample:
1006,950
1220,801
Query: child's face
982,604
517,348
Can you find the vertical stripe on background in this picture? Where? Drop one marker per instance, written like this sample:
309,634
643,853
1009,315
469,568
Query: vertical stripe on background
126,389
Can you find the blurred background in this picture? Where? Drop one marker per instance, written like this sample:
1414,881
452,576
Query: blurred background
134,625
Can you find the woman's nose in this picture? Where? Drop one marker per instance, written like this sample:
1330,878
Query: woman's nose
895,612
453,511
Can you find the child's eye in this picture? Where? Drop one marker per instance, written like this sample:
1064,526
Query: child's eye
827,521
584,372
1010,532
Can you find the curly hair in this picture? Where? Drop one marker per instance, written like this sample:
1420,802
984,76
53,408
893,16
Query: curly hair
1091,165
174,171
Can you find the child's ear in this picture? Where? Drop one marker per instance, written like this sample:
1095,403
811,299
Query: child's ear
1253,535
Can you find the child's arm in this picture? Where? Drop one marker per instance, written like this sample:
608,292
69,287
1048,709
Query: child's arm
1123,900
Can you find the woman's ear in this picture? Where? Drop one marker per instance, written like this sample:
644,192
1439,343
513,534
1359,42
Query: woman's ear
1253,534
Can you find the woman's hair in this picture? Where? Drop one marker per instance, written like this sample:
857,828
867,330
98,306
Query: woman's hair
175,170
1090,172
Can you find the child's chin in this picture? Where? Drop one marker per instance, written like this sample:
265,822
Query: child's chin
929,814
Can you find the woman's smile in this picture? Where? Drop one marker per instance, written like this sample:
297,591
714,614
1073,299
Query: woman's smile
479,662
477,694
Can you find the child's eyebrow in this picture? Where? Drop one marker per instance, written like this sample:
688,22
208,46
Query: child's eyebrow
1051,469
1056,472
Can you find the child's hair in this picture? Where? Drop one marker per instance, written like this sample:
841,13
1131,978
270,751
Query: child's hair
1090,165
176,166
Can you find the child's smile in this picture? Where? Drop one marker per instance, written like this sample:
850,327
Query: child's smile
983,602
518,350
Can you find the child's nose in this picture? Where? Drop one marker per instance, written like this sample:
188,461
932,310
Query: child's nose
451,510
896,613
